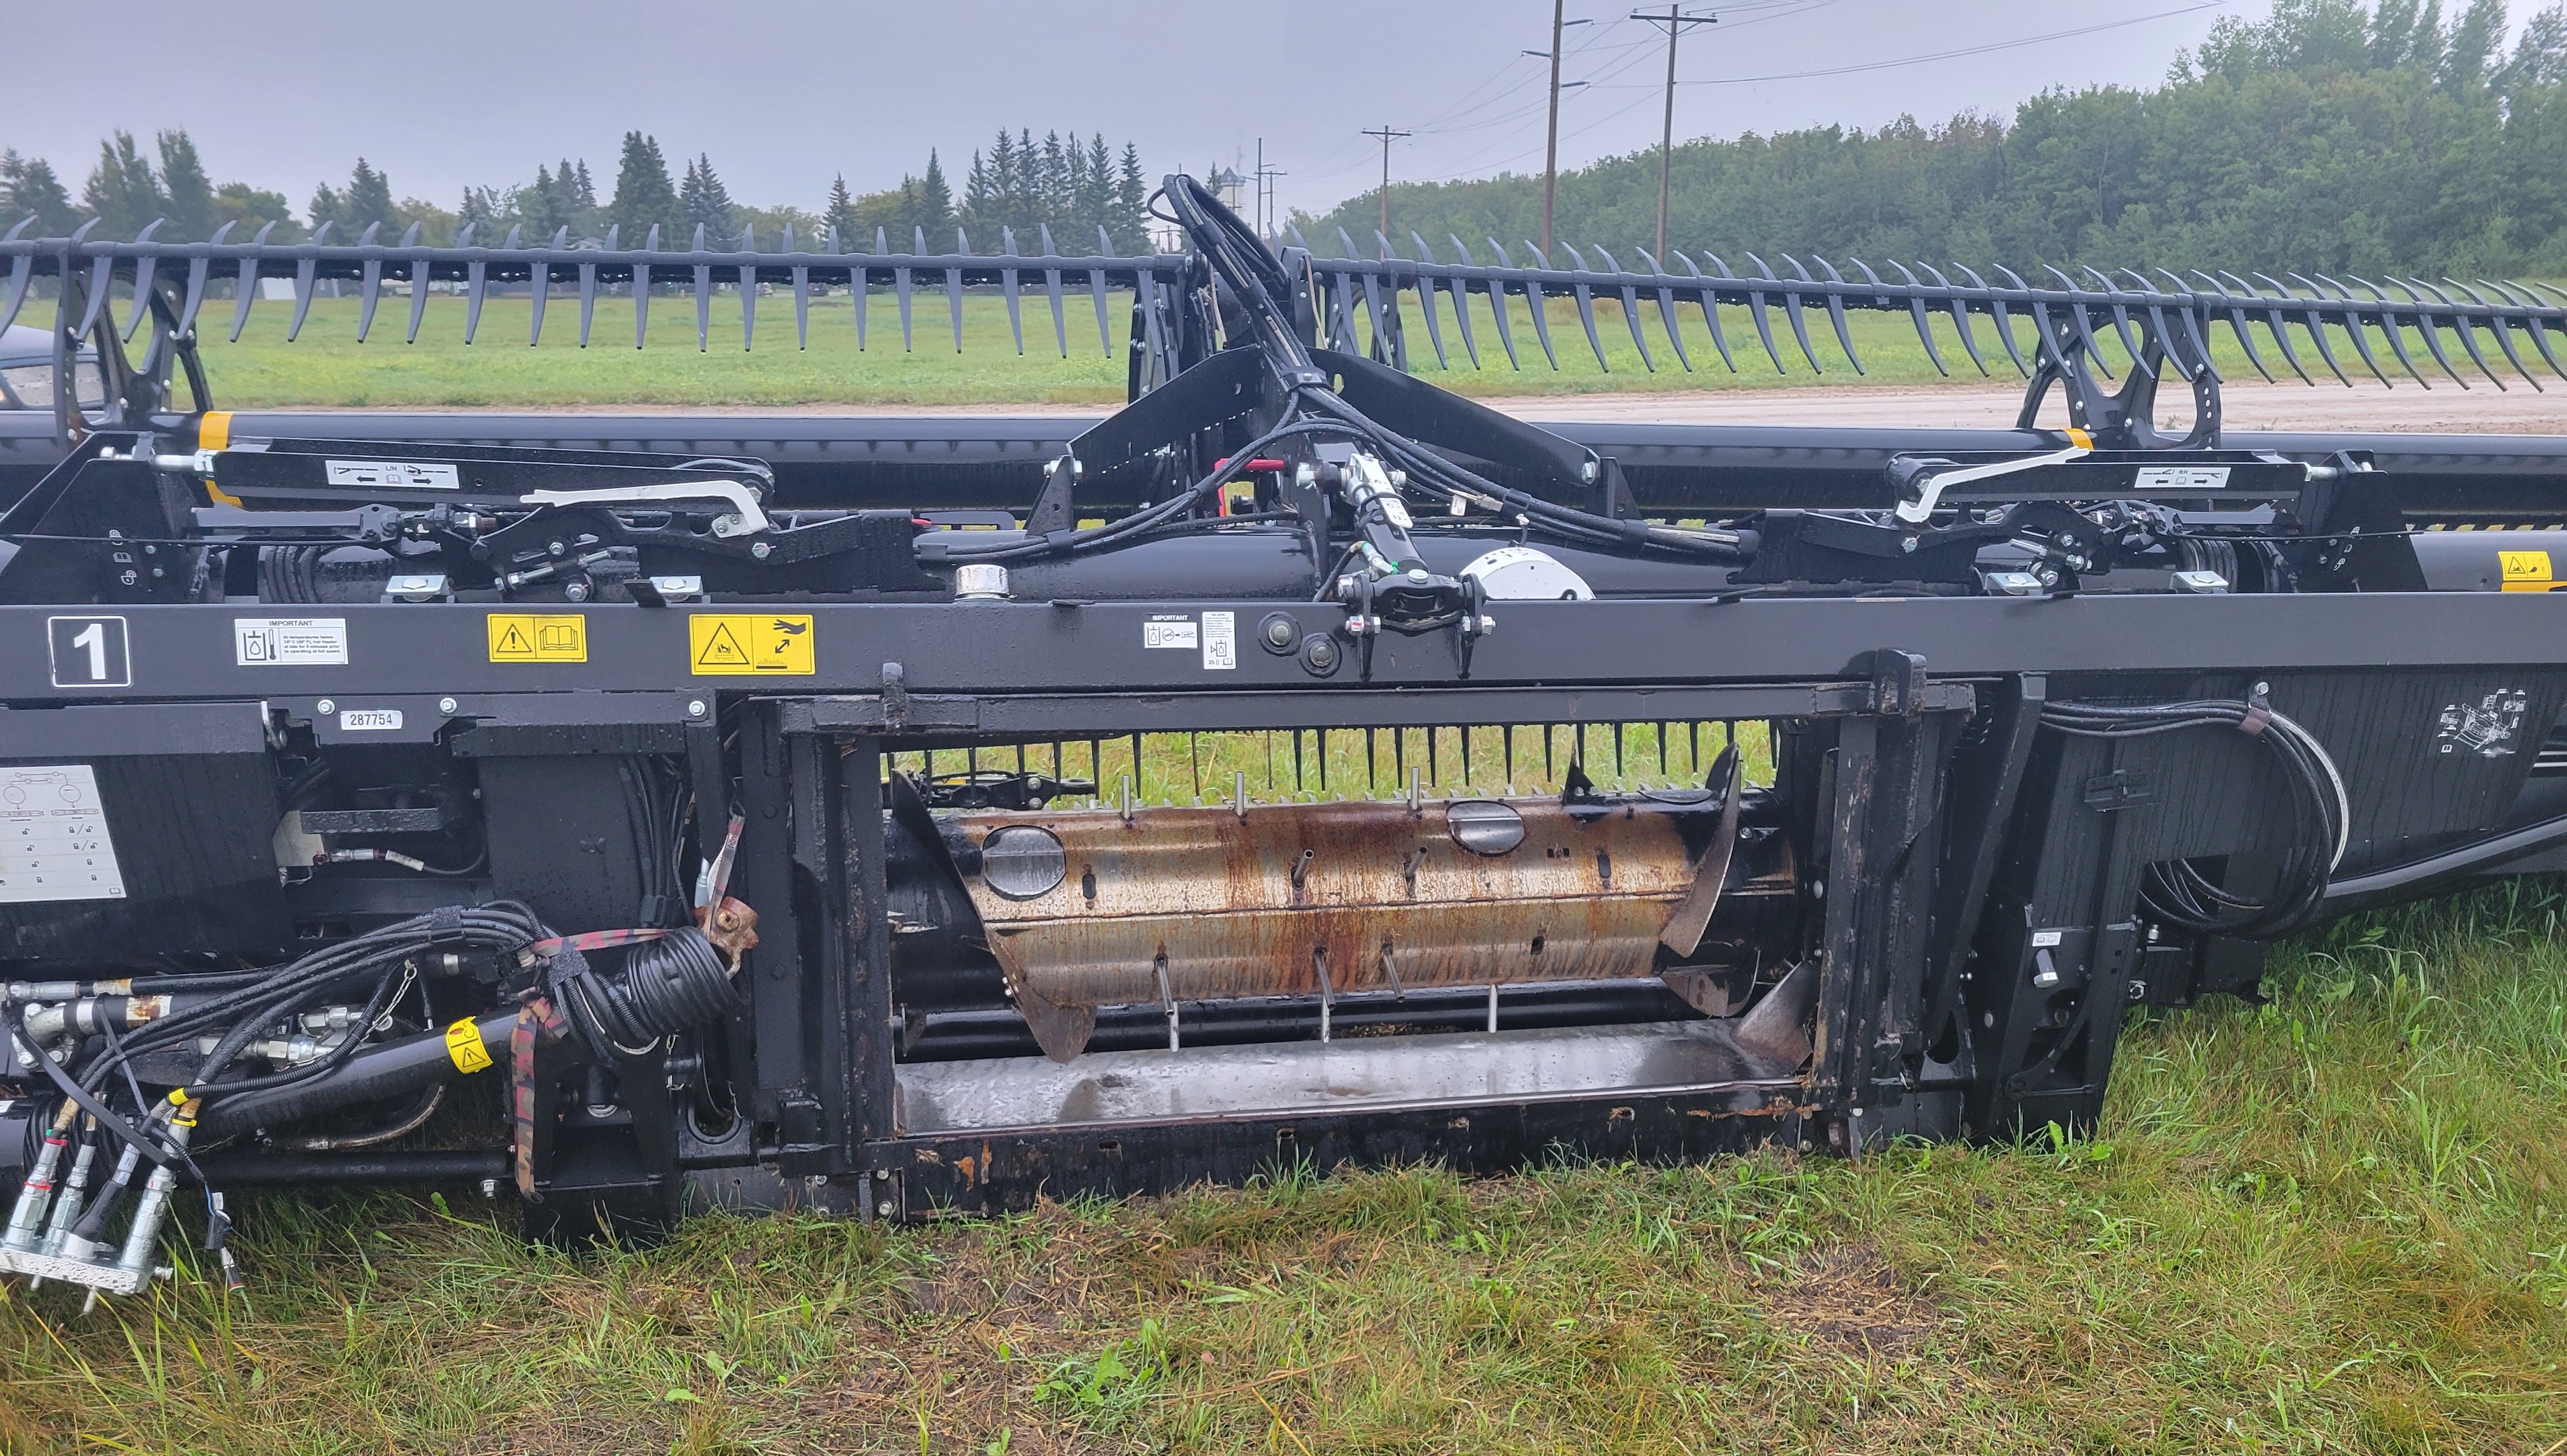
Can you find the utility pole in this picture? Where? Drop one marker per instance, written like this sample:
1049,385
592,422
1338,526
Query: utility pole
1551,148
1675,21
1266,176
1386,134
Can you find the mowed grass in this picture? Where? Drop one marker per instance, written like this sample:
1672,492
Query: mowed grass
2336,1222
324,366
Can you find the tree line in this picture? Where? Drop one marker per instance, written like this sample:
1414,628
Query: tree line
2335,135
1074,187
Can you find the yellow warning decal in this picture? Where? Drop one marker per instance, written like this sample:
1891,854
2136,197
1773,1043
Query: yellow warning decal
2525,571
521,638
745,644
463,1044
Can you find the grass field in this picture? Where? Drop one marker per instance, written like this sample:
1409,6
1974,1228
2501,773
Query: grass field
327,367
2334,1222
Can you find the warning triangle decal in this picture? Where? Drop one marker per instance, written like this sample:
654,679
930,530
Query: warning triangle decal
513,642
721,649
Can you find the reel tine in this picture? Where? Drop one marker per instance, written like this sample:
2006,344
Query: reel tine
642,285
747,288
1462,303
143,268
245,292
2194,329
1007,279
22,276
2533,305
1667,310
2273,325
2352,323
2315,322
1631,305
2121,313
2392,329
1051,286
1096,288
1960,316
419,271
704,272
1917,313
198,268
1371,297
1426,299
370,287
953,286
539,287
2079,323
2425,325
1709,305
2460,325
2160,329
1795,313
306,271
1145,297
1536,297
801,296
2238,325
1764,325
1835,308
1997,317
588,288
2496,324
1498,306
900,289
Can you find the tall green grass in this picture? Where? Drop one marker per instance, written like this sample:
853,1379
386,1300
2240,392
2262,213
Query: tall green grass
2333,1222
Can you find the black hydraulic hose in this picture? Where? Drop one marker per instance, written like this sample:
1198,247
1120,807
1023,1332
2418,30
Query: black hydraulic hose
2480,854
380,1072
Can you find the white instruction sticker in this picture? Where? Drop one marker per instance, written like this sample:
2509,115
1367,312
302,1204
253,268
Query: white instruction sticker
290,641
2042,938
53,837
366,720
1169,631
393,474
1219,641
2183,477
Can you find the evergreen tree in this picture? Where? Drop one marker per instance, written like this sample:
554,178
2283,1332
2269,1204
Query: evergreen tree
367,202
581,191
325,210
251,208
703,202
644,197
28,185
481,207
123,194
1129,219
2475,37
1096,196
185,189
934,204
846,230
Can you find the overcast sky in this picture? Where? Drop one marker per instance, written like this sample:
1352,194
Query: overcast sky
784,94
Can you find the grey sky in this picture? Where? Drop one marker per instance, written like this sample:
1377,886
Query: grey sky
783,95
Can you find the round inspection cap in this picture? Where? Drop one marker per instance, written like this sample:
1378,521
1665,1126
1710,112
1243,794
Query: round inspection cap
1023,862
1484,826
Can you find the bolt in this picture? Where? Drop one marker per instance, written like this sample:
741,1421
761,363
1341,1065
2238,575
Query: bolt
760,549
489,1188
1907,543
884,1208
325,707
575,591
555,548
446,705
695,707
2262,688
1278,632
882,1175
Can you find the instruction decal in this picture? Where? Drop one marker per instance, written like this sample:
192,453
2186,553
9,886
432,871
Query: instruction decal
54,843
2524,571
1170,629
90,651
464,1047
2488,727
290,641
751,644
1219,641
517,636
391,474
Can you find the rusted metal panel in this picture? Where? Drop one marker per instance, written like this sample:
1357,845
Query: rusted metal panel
1321,898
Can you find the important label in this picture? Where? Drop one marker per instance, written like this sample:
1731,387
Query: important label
2183,477
2524,571
1219,641
745,644
54,843
517,636
1167,631
391,474
464,1044
290,641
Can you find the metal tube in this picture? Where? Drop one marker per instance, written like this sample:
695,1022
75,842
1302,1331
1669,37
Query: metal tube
144,1236
28,1215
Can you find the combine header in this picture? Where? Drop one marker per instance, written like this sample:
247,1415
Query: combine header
1302,765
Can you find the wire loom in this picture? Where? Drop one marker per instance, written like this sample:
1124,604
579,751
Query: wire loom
2177,893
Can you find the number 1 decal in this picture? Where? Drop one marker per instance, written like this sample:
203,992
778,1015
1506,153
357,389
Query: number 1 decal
90,651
